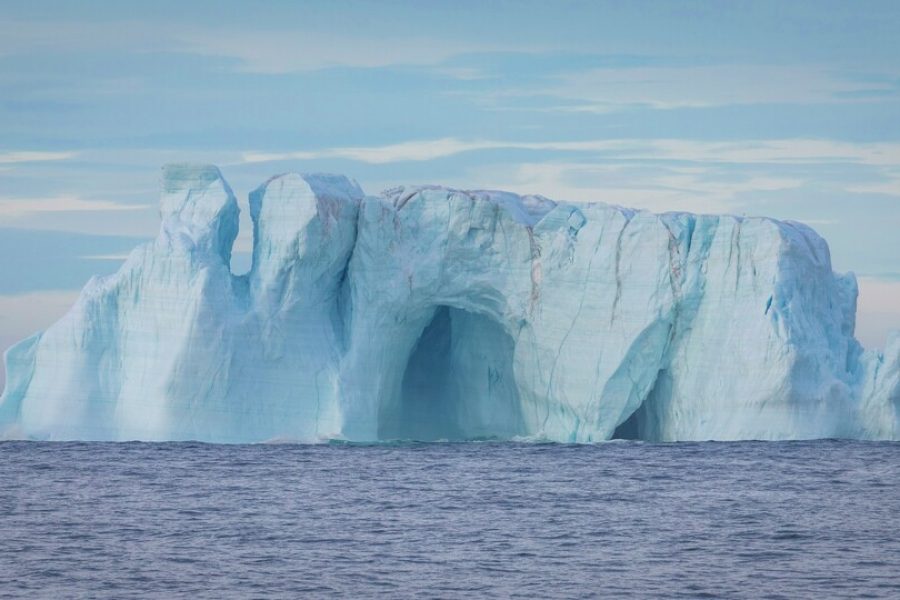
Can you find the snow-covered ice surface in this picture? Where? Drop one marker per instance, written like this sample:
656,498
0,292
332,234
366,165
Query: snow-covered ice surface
431,313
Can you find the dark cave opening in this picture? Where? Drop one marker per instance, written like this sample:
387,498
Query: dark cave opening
630,428
458,383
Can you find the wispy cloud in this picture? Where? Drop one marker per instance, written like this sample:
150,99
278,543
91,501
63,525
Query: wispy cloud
658,175
277,52
113,257
606,90
890,186
793,151
18,207
24,156
658,188
704,86
404,151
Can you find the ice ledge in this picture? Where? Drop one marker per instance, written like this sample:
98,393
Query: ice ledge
527,210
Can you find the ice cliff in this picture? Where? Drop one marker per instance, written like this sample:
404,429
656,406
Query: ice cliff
431,313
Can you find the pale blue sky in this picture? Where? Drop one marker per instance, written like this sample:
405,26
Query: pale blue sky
788,109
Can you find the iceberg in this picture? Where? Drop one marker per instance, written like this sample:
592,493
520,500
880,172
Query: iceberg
430,313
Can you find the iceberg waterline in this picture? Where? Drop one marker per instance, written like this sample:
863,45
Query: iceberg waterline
432,313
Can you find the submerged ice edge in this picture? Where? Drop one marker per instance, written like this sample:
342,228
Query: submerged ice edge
432,313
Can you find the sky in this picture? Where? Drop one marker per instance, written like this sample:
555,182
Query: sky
784,109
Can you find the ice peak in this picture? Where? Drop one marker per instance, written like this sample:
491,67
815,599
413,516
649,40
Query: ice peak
178,177
304,224
198,209
308,188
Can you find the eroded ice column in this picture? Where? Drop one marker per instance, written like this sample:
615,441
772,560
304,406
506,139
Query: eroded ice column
111,368
291,338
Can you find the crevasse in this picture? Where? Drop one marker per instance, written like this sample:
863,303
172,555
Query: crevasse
432,313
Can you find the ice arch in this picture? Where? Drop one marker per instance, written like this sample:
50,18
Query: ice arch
458,383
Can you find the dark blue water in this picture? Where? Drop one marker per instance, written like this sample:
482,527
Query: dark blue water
790,520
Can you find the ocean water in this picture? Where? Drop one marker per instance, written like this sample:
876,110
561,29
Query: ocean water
622,519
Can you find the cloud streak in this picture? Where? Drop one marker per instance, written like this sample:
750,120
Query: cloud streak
791,151
272,51
19,207
602,90
26,156
281,52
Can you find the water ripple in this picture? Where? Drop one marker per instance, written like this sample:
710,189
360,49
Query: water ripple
490,520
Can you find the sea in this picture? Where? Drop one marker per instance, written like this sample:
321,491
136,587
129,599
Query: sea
450,520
